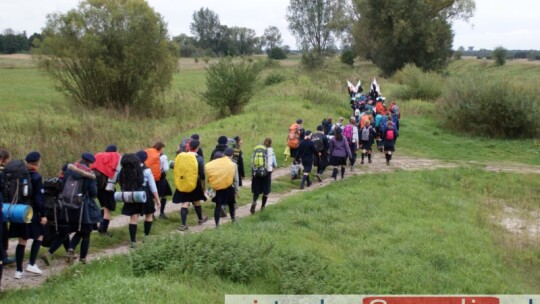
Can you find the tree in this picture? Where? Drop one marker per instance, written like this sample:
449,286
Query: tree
206,28
393,33
272,37
108,53
277,53
500,55
230,86
313,23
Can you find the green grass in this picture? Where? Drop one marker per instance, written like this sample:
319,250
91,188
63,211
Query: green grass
436,236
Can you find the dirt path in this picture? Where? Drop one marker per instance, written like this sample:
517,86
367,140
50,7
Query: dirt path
378,166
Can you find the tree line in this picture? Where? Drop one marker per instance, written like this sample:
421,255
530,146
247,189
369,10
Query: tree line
12,42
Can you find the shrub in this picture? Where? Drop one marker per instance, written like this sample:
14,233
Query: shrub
482,104
347,57
277,53
417,84
274,78
500,55
312,61
230,85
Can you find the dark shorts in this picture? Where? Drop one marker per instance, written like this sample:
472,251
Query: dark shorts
389,146
225,196
366,145
106,199
338,161
163,187
130,209
261,185
307,166
189,197
27,231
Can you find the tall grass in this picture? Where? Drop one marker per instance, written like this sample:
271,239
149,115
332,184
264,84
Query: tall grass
417,84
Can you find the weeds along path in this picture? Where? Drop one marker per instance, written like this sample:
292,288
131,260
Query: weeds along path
378,166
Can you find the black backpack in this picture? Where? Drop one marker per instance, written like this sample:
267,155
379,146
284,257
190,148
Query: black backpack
17,186
317,139
72,196
131,176
52,188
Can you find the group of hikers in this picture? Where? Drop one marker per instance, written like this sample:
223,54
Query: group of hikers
62,211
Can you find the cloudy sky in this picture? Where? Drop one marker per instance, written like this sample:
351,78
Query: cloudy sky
511,24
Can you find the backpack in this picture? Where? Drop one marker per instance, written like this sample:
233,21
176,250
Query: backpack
186,172
17,186
293,140
295,171
259,166
52,188
390,134
317,139
220,173
72,196
365,134
184,145
348,132
153,162
131,176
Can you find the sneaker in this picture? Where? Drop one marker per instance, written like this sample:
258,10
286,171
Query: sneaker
183,228
205,218
233,220
388,163
47,258
369,161
8,260
163,216
18,274
82,261
33,269
362,162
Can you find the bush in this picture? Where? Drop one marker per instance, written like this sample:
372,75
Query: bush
230,86
500,55
274,78
482,104
312,61
417,84
347,57
277,53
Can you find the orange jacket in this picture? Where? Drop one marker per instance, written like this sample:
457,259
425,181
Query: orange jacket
153,162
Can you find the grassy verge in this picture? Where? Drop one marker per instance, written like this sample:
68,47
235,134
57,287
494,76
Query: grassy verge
407,232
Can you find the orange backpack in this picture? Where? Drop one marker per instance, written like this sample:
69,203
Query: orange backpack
293,140
153,162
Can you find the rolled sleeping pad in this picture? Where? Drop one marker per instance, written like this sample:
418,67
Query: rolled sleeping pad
17,213
130,196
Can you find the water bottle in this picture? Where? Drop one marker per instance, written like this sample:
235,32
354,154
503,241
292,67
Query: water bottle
25,187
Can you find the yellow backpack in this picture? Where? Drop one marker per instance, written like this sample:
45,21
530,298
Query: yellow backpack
220,173
186,171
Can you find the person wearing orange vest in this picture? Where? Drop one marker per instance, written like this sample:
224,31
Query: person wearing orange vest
159,165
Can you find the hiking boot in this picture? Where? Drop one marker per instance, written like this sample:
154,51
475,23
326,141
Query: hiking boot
223,213
47,258
252,209
163,216
387,162
205,218
369,161
70,256
233,219
33,269
309,183
183,228
18,274
318,178
133,245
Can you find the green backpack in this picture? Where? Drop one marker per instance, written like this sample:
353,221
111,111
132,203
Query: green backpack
259,167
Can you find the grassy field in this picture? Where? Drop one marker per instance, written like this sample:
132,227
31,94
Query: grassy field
423,232
353,237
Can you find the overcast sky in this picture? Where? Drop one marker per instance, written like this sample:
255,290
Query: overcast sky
511,24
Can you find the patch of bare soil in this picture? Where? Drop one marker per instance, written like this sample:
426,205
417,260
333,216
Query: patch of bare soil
379,165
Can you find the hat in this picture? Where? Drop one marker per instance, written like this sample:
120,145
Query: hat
89,157
33,157
141,154
228,152
222,140
111,148
299,121
308,133
195,136
237,138
217,155
320,128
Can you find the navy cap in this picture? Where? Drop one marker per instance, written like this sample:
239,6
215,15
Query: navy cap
142,155
222,140
89,157
111,148
228,152
33,157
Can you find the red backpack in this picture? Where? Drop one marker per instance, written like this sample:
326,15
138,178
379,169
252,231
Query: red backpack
348,132
390,134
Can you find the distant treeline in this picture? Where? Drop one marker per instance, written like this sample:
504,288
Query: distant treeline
487,54
11,42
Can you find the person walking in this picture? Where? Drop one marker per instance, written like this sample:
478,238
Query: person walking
307,152
263,184
321,160
222,175
106,168
339,152
367,137
389,139
189,178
